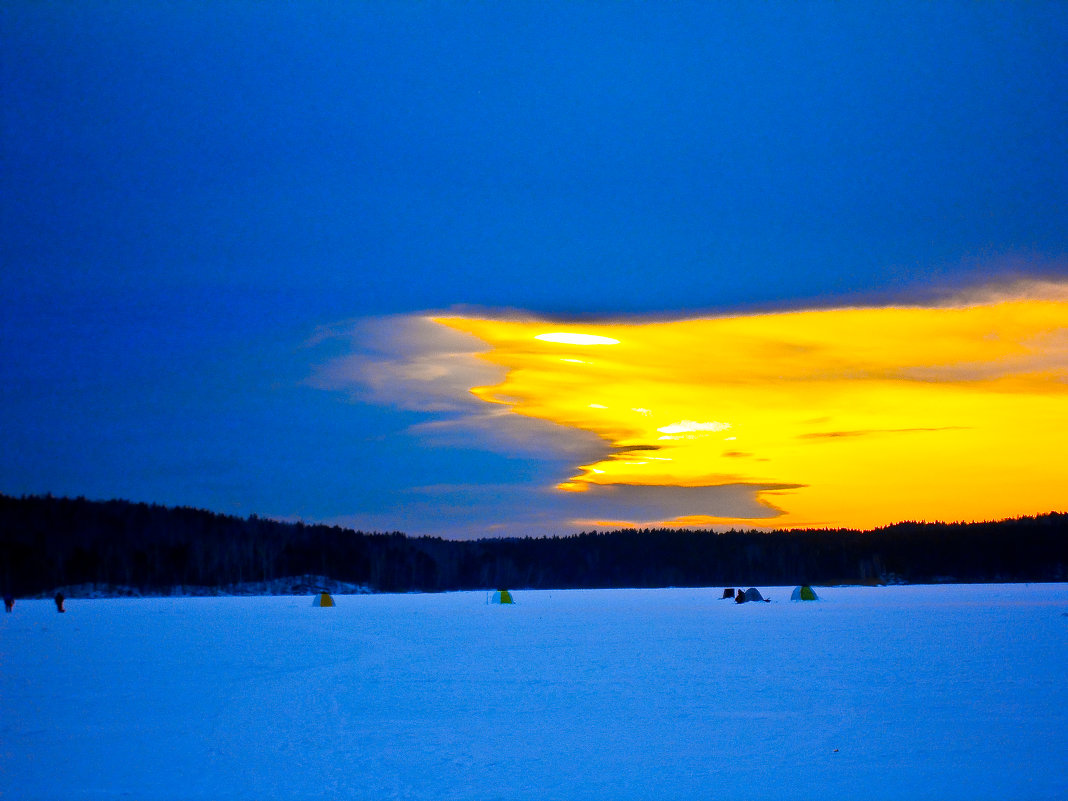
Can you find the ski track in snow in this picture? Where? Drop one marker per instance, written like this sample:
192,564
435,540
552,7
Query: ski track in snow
937,692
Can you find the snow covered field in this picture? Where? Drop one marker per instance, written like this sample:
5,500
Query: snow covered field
891,692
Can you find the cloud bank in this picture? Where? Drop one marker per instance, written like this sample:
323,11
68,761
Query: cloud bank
826,417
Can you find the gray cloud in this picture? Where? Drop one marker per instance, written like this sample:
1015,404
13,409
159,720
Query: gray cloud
407,362
470,511
504,431
643,504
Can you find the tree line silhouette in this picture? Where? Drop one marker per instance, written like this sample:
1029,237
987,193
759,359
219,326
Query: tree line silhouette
48,542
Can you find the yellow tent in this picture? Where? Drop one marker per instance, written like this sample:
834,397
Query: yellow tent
322,599
804,593
502,597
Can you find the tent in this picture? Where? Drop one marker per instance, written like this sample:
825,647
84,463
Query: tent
728,593
751,594
803,593
502,597
322,599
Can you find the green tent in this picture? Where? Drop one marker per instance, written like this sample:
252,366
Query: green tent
803,593
322,599
502,597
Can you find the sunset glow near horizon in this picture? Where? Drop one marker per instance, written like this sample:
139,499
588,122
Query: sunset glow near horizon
855,417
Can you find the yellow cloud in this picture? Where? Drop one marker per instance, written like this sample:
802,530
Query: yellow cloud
855,417
566,338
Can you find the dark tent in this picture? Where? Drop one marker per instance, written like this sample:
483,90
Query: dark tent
752,594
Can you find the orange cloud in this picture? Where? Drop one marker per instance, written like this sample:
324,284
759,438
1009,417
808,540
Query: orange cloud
840,417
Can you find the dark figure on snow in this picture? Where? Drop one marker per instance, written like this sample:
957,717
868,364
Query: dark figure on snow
9,603
59,602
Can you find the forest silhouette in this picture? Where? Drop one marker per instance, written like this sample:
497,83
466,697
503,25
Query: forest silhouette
48,542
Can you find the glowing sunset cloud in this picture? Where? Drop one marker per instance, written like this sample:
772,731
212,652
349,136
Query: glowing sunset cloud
577,339
844,417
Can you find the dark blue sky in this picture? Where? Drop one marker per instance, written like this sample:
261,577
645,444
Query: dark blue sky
190,190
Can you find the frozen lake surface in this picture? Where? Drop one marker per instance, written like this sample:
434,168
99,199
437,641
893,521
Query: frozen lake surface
947,692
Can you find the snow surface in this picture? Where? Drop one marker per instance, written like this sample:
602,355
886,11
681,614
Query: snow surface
938,692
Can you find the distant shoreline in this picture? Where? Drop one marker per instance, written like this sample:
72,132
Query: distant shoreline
122,549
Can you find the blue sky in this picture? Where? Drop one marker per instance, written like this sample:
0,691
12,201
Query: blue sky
193,193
